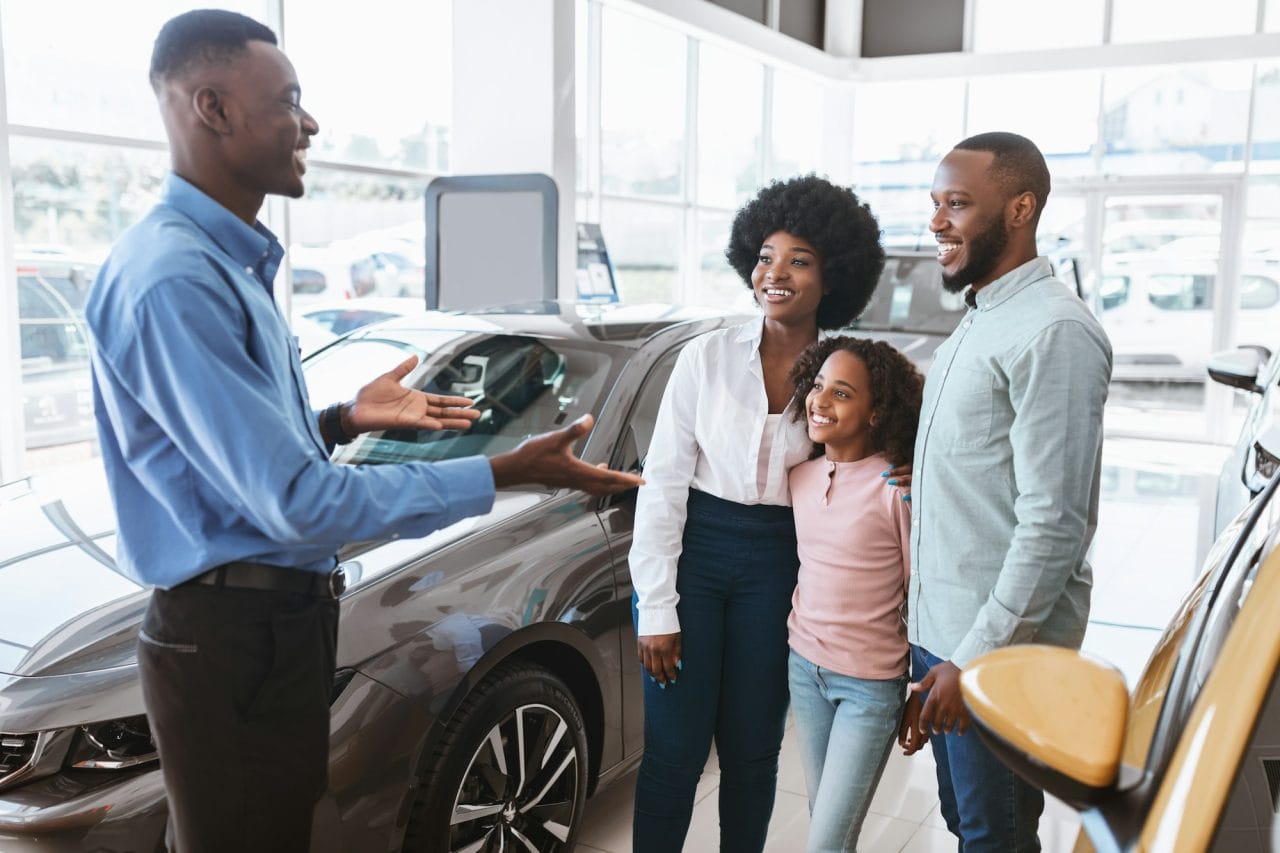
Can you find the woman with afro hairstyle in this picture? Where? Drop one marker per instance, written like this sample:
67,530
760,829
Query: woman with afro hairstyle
713,558
848,634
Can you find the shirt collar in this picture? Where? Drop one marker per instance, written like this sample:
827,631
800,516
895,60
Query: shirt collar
1009,284
249,246
751,332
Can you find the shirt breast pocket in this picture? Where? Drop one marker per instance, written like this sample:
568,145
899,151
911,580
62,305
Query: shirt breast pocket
964,414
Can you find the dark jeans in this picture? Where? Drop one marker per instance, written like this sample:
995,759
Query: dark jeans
236,684
735,578
985,804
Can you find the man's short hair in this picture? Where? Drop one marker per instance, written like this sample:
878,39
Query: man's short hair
203,38
1018,166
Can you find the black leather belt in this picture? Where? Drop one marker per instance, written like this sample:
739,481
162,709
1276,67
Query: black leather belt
242,575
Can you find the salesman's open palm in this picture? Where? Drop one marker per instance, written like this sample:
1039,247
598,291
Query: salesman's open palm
386,404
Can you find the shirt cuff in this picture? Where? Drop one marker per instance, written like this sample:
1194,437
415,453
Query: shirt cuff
657,620
471,489
971,647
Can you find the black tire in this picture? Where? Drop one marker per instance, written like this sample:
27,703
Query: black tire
521,718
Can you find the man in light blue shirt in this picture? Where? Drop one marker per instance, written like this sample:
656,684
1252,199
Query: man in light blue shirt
219,470
1006,472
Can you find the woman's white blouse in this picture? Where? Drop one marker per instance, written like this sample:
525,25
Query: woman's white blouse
708,436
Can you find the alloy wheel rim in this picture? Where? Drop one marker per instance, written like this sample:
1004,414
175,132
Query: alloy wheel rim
520,790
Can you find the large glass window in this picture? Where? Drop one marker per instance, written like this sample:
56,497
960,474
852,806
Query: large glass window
1059,112
1176,120
357,235
896,150
645,242
1012,25
718,284
378,84
730,90
798,106
83,66
642,120
1162,20
1266,120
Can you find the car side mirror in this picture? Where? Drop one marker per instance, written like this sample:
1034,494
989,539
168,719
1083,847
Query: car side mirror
1239,368
1054,716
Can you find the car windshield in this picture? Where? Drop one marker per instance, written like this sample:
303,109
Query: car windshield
522,385
910,298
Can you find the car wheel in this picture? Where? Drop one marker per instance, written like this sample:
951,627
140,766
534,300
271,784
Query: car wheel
510,771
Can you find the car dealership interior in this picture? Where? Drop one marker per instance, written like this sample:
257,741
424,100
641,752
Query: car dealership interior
582,161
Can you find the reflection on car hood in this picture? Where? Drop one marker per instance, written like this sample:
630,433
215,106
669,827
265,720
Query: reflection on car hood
63,607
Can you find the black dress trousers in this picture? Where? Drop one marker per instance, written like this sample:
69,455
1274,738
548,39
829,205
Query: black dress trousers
237,685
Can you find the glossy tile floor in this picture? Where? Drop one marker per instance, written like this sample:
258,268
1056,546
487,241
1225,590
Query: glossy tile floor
1155,525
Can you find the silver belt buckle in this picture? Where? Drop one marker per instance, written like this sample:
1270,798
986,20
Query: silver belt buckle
337,582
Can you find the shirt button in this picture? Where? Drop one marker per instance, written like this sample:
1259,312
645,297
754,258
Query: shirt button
966,324
915,522
249,270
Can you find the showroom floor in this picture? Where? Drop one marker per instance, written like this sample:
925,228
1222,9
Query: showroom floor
1155,524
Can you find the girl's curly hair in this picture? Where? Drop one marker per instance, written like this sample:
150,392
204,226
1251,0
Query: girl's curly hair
840,227
896,390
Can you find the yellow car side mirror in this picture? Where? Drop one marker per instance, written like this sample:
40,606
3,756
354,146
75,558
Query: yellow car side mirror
1054,716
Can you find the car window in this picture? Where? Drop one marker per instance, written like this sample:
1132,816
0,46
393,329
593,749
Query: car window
50,332
1226,606
1114,291
521,385
910,297
1248,821
1181,292
1258,292
644,414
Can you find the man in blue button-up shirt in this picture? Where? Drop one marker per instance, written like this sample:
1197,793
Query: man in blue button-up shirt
227,501
1007,465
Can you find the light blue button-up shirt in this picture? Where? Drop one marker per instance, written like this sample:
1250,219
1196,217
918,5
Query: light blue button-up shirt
1007,464
211,449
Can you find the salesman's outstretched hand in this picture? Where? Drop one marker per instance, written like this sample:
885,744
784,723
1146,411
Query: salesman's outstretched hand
386,404
547,459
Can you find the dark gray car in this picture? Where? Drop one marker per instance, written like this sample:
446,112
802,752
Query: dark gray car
487,677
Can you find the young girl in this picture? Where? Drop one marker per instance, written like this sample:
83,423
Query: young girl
849,654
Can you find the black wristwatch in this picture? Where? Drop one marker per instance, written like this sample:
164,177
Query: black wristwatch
331,424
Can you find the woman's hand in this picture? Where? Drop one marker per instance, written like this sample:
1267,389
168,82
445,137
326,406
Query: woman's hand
900,477
660,656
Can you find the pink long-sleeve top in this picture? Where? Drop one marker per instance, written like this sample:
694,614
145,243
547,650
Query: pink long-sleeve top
854,532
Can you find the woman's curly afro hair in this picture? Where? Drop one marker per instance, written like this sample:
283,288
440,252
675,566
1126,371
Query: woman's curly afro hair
840,227
896,390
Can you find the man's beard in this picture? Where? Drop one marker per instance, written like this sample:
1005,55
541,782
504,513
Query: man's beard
984,250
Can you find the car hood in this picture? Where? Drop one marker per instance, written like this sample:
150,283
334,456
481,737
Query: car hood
63,606
65,610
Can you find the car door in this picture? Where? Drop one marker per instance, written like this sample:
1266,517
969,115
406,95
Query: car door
618,518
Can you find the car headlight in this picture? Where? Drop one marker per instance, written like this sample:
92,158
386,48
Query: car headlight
113,745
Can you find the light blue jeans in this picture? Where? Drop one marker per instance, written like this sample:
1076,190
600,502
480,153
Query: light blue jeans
846,728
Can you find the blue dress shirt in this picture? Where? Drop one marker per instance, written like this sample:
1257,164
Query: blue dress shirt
211,449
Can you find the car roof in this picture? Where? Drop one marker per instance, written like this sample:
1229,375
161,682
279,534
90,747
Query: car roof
621,325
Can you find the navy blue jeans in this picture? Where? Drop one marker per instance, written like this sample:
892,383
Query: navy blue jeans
985,804
735,578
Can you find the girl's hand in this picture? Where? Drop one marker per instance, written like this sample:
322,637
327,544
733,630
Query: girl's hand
660,656
900,477
909,735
